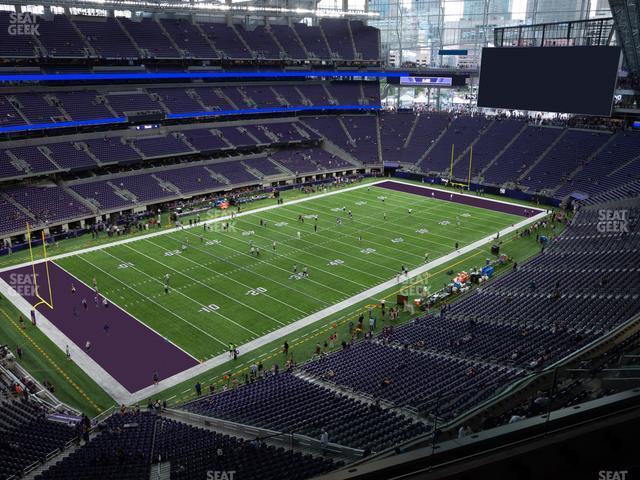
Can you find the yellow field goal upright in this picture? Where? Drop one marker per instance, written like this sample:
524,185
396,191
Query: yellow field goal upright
48,303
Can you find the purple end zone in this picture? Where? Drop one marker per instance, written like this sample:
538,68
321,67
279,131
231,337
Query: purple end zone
130,352
489,204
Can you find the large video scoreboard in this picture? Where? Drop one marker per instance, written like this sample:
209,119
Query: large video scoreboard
550,79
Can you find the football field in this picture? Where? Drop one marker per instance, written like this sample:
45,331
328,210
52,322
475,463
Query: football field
237,280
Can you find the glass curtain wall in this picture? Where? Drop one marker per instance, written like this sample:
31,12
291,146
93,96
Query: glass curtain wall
415,32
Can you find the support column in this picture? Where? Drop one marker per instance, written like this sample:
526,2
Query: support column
228,17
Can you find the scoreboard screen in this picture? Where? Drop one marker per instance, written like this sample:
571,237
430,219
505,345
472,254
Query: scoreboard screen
427,81
549,79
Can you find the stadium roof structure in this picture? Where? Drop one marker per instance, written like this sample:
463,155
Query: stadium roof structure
302,8
627,19
598,31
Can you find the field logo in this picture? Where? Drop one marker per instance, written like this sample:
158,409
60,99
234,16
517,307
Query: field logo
397,240
613,221
281,224
336,262
368,251
221,474
422,231
466,215
360,203
247,233
23,24
23,284
444,222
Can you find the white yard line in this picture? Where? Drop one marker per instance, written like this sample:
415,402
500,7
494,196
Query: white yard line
368,227
120,260
271,255
153,301
121,395
350,245
304,238
230,279
447,210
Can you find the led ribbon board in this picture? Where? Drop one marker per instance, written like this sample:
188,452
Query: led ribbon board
92,77
426,81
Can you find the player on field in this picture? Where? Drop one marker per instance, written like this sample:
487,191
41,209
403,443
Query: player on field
410,211
299,235
73,288
384,216
426,257
305,272
350,215
295,269
252,250
273,245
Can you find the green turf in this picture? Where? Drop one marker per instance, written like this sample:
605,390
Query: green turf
221,293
